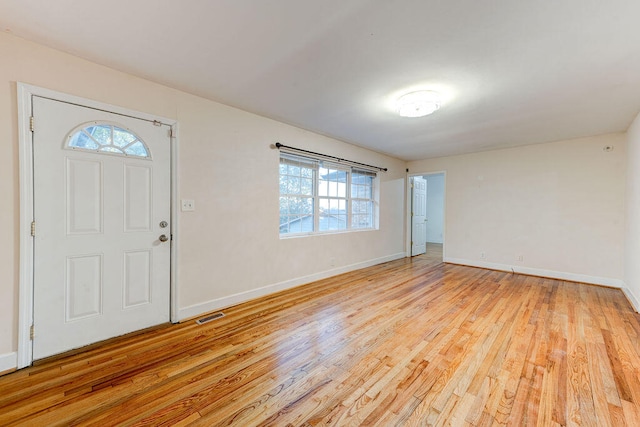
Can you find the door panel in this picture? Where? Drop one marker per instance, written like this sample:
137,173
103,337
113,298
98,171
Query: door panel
84,196
137,198
83,287
419,216
137,278
100,270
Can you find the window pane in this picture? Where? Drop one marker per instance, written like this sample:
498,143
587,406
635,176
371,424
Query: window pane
364,192
122,137
101,133
297,224
294,225
306,186
299,205
323,188
296,196
306,223
333,222
361,186
333,210
294,170
333,189
111,149
367,192
342,190
83,140
362,214
283,185
296,214
333,214
293,185
284,209
307,206
137,149
109,139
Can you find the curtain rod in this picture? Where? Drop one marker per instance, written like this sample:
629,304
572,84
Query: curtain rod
279,146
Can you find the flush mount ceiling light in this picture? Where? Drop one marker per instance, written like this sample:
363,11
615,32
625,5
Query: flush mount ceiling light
418,104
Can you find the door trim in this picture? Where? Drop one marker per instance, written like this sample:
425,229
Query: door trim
408,220
25,92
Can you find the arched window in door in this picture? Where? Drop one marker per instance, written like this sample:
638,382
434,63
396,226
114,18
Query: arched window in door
107,138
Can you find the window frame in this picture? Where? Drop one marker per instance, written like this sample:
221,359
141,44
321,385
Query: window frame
298,162
371,200
316,198
335,168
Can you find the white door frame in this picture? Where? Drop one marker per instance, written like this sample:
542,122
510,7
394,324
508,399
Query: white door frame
408,220
25,297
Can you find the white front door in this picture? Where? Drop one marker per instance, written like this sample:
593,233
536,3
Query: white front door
418,216
101,204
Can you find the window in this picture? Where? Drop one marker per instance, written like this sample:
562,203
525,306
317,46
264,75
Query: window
318,196
297,203
332,198
362,199
107,138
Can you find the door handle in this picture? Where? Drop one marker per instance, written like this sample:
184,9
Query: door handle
163,238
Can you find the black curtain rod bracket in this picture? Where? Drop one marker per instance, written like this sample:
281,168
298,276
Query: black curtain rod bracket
279,146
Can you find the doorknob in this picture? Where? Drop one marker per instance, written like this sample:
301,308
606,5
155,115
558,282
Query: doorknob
163,238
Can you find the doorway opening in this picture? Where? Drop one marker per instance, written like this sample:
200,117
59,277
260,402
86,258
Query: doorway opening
426,219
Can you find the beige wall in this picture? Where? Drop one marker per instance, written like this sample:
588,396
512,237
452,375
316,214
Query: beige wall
229,169
229,248
559,205
632,232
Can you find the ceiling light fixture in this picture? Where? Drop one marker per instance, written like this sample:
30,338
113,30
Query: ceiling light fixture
418,104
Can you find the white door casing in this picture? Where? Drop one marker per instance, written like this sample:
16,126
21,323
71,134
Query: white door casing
418,215
100,269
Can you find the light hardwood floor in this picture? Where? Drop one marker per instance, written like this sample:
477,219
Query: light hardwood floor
410,342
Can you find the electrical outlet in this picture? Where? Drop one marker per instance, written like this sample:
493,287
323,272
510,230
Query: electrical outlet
332,262
188,205
520,258
483,255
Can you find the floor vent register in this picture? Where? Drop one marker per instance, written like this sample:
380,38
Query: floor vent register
209,318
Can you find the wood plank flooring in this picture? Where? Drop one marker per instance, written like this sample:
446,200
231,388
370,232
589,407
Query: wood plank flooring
409,342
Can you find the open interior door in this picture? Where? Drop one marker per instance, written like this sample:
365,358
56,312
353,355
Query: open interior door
418,215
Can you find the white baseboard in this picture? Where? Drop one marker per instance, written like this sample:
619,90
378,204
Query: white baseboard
216,304
635,302
571,277
8,361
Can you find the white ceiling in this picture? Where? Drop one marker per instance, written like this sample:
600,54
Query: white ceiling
514,72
